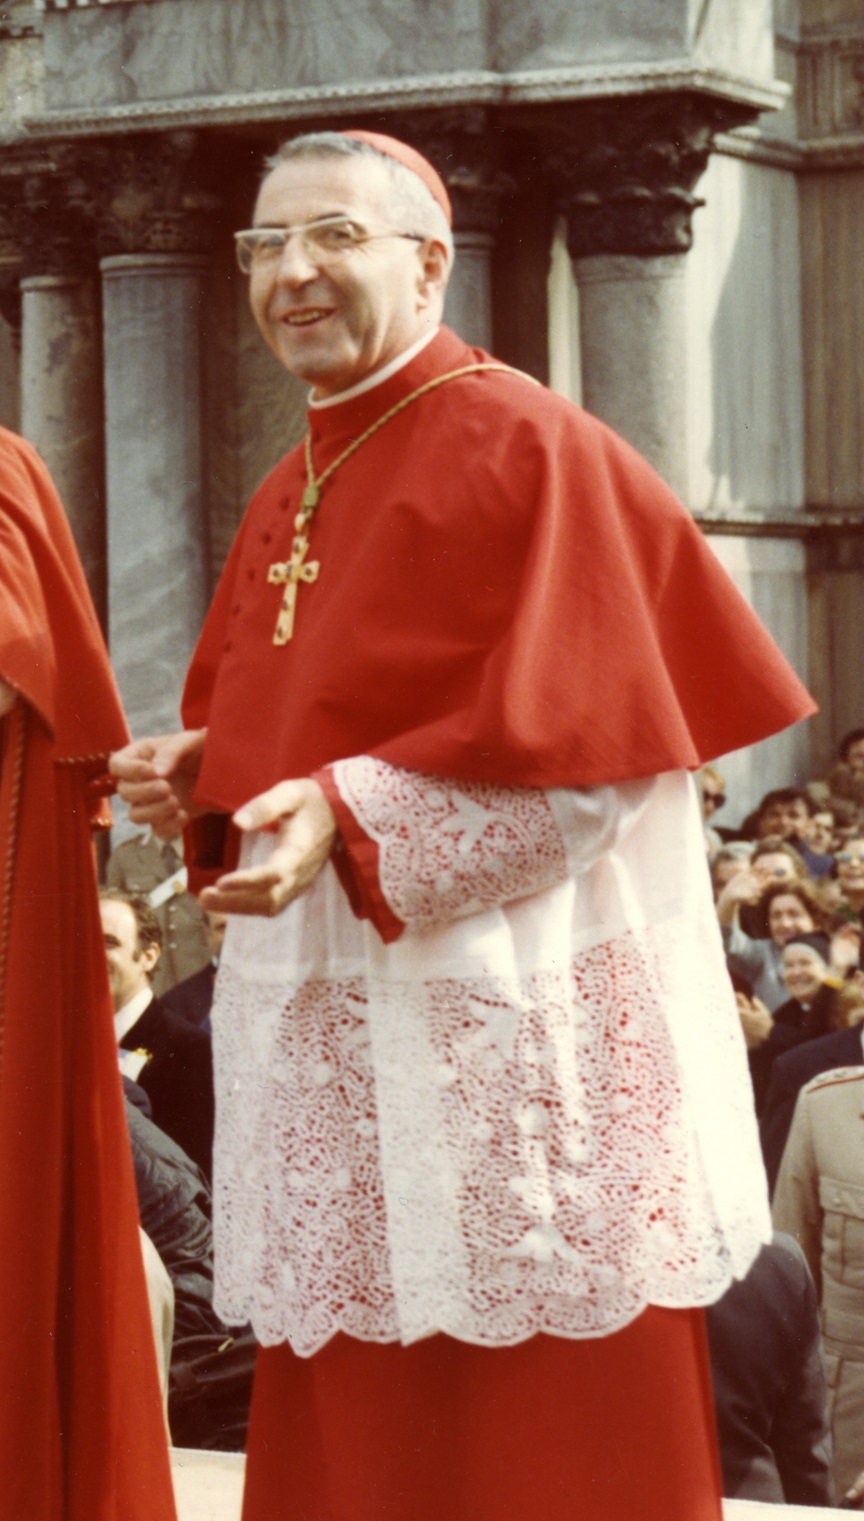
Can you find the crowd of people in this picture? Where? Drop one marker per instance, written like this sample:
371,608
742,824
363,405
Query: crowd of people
789,892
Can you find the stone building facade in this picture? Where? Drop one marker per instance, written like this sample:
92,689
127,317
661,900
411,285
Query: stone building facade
659,210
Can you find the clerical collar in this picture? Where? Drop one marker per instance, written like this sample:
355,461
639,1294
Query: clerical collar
376,378
131,1012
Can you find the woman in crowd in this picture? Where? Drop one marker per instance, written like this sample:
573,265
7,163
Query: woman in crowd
783,904
813,968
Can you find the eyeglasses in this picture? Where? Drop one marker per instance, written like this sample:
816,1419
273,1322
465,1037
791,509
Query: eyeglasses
717,799
323,241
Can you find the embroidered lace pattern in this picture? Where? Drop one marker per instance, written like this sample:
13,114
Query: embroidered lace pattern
446,852
482,1157
530,1113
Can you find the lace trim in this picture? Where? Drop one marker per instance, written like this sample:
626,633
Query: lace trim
487,1157
446,852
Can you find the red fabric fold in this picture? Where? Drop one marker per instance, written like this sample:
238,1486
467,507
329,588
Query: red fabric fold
507,593
82,1435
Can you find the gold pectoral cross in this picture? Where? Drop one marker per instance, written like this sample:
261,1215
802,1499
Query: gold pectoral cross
289,573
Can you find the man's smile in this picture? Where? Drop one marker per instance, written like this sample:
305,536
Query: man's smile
305,316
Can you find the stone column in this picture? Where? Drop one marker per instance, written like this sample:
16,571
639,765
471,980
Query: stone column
464,150
157,557
625,184
61,405
154,228
60,379
633,327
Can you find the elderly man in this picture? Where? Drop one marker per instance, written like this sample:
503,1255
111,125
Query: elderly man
472,1146
82,1432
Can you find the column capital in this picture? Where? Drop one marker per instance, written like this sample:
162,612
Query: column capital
625,171
150,194
465,150
44,213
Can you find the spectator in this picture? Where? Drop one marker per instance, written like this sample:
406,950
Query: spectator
844,787
726,864
769,1383
192,999
850,876
782,909
170,1059
782,814
712,790
820,1201
816,845
792,1069
146,867
812,1009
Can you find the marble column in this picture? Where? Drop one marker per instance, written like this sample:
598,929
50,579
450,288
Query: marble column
61,405
157,552
468,308
154,217
625,181
61,352
633,326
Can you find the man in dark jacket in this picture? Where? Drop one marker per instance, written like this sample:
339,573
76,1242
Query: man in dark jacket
174,1205
165,1054
210,1385
769,1383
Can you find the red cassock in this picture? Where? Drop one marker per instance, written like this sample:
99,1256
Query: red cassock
82,1435
505,593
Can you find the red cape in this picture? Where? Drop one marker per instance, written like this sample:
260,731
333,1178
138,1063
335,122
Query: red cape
507,593
82,1436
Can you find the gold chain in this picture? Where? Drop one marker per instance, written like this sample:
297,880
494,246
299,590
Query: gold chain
313,488
290,573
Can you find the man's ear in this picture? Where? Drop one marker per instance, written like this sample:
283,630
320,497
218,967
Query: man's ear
435,264
149,957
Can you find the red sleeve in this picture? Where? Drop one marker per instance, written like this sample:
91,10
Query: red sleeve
355,857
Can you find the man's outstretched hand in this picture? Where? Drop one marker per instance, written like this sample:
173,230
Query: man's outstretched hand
157,777
301,819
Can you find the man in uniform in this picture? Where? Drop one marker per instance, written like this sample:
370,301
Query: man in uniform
820,1201
147,867
472,1145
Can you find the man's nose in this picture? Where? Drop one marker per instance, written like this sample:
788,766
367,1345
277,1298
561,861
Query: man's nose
295,266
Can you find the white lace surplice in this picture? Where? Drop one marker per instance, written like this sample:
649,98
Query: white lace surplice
531,1112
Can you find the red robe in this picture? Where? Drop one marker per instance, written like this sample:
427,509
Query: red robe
82,1435
507,593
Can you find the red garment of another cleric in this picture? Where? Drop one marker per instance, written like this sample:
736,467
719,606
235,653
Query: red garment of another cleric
529,606
82,1434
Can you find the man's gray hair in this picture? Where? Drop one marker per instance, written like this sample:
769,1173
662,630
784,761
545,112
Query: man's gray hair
412,202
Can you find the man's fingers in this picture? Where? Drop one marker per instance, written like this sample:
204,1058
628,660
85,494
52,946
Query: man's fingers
269,807
133,763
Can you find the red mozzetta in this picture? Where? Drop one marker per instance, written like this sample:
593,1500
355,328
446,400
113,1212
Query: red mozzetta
507,592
